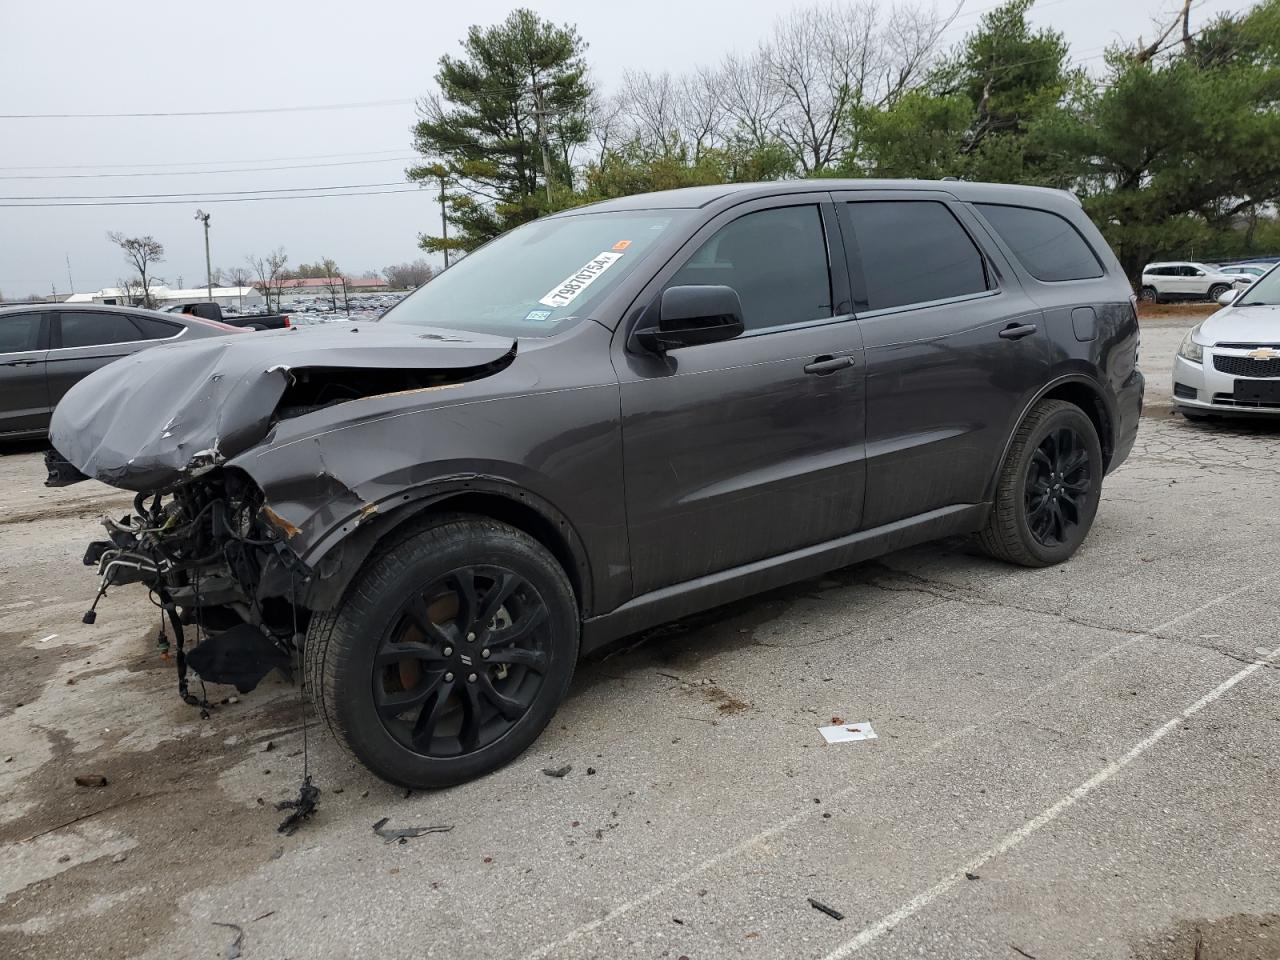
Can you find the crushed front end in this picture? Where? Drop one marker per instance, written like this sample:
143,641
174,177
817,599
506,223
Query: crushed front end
216,564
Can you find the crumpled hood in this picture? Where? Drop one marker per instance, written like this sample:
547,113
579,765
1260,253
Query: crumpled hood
157,417
1258,324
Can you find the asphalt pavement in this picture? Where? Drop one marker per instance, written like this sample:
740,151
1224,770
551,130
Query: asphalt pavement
1076,762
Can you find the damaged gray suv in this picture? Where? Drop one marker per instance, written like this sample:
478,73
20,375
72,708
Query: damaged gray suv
603,420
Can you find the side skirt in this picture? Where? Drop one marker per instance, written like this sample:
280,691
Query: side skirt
682,599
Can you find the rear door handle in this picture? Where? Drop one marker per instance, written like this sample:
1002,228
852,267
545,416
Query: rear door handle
828,364
1016,331
21,363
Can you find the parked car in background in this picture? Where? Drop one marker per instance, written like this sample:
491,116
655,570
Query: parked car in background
213,311
1229,364
45,349
1247,271
1187,280
612,417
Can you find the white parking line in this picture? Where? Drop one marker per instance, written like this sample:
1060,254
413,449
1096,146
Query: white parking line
783,825
922,900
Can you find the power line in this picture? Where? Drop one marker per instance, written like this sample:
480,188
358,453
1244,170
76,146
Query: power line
359,105
201,163
150,203
206,193
201,173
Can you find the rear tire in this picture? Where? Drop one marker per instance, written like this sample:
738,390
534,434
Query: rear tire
449,653
1049,488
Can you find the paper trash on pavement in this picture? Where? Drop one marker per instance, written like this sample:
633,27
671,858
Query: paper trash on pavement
847,732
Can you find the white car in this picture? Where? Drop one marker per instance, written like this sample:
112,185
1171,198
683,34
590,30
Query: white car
1248,271
1187,280
1229,363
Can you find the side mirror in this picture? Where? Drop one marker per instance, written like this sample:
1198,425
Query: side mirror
1226,299
691,315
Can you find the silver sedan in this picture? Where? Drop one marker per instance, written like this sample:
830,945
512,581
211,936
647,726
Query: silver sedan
1229,363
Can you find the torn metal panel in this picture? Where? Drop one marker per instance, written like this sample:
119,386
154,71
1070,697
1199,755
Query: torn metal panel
220,396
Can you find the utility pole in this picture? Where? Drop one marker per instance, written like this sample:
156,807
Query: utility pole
444,222
543,146
208,263
70,283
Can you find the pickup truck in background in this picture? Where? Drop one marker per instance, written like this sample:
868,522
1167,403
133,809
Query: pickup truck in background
213,311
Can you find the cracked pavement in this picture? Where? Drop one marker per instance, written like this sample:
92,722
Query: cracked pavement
1095,745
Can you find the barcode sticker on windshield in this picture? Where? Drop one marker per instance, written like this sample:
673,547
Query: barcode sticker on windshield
571,287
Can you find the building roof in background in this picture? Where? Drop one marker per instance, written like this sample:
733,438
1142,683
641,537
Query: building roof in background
311,283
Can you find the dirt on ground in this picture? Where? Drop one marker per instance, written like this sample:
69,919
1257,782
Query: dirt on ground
1240,937
1174,314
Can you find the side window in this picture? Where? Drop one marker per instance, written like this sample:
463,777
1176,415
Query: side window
19,332
914,251
1047,245
153,329
86,329
775,259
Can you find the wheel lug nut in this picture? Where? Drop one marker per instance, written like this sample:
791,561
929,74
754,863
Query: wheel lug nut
471,638
448,678
471,678
485,653
448,651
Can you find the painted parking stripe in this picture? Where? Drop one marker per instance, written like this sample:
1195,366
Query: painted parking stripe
920,901
786,824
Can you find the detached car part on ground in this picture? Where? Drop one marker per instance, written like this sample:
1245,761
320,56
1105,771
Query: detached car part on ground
606,419
1229,364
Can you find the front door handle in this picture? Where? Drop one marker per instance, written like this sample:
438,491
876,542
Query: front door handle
21,363
828,364
1016,331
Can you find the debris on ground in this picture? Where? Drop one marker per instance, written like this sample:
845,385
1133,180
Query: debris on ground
302,808
405,833
591,771
557,772
120,858
831,912
268,746
1031,956
971,876
233,948
847,732
90,780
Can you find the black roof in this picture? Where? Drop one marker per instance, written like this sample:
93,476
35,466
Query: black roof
695,197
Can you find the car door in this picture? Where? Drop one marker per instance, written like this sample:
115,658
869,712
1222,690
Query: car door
954,347
83,341
752,447
24,389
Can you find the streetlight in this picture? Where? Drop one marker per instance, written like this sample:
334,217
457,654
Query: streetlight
208,264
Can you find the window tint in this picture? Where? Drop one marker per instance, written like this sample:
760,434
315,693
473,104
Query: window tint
19,332
914,251
1047,245
84,329
775,259
153,329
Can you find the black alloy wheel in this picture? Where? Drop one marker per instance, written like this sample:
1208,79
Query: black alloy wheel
449,653
1058,488
462,662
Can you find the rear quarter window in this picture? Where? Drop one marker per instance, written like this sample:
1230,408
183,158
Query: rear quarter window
1046,244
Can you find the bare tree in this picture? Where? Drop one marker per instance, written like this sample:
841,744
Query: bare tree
271,272
700,108
407,276
141,253
751,100
333,281
651,110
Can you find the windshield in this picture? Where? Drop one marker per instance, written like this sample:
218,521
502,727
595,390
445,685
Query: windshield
538,279
1264,290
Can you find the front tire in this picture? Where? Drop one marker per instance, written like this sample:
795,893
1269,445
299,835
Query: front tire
1217,290
449,654
1149,295
1049,488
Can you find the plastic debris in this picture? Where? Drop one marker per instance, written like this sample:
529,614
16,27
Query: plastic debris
831,912
302,808
847,732
91,780
557,772
402,834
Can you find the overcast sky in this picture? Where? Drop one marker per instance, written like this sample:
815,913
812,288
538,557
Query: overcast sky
86,56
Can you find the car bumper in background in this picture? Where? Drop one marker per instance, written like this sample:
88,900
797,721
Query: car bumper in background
1206,388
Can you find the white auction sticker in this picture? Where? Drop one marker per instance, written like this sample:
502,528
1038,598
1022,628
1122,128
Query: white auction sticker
565,292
